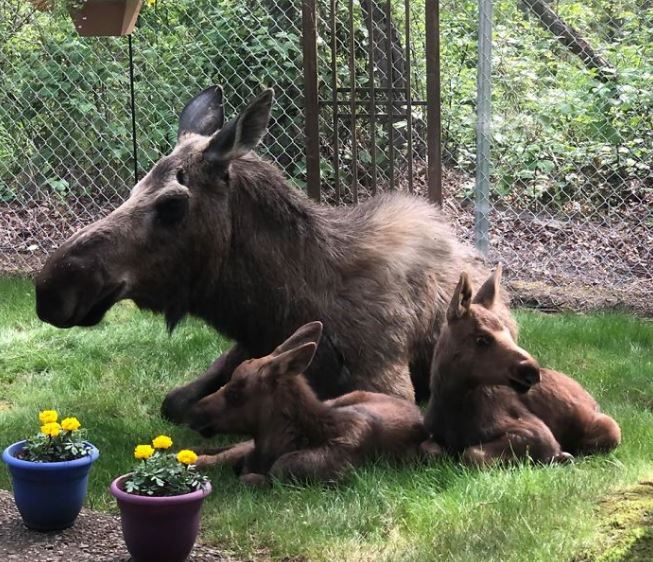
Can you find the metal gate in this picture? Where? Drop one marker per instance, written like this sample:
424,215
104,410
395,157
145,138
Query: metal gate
372,121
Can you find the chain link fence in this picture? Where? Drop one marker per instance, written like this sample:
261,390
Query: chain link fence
569,129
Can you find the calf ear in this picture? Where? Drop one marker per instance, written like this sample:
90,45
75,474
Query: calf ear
462,298
308,333
204,114
489,291
242,134
292,362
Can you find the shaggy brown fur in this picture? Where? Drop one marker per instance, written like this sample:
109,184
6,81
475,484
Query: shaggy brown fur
490,400
295,434
214,231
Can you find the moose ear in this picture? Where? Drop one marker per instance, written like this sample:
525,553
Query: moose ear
308,333
489,291
462,299
204,114
242,134
292,362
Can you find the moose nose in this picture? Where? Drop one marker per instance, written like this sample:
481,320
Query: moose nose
53,304
529,372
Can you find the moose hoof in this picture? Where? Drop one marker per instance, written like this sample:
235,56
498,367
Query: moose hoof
563,458
255,480
204,461
431,449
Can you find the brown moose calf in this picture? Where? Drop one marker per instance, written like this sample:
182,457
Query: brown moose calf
490,401
295,434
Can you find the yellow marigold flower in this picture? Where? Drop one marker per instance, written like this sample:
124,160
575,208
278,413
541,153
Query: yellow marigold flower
186,456
48,416
150,2
143,451
51,429
162,442
70,424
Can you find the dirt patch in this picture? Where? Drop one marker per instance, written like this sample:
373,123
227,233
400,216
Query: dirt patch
627,529
95,537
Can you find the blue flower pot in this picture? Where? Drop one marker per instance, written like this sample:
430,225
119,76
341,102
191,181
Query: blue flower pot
49,495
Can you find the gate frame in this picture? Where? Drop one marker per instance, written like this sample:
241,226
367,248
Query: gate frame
433,99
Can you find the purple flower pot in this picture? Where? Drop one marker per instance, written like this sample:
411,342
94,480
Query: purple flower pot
48,495
159,529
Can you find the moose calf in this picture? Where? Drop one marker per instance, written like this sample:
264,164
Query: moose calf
490,401
295,434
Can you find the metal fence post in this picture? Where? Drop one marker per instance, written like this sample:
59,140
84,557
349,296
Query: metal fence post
483,115
433,120
311,102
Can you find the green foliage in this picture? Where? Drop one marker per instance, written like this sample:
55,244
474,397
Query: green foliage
65,447
163,475
559,133
54,444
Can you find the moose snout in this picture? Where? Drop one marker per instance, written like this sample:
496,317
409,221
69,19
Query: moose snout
528,373
57,297
199,419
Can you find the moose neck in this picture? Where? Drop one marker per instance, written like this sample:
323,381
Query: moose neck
299,417
275,263
450,385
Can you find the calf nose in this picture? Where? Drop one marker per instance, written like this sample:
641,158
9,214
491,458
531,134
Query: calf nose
529,372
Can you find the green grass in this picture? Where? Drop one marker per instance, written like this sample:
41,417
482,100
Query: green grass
113,377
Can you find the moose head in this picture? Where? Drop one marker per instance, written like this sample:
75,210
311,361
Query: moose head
476,347
175,224
251,397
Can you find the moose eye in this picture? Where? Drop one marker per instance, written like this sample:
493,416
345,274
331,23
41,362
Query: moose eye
181,176
484,340
171,210
234,393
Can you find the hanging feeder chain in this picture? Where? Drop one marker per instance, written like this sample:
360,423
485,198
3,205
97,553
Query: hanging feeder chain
133,108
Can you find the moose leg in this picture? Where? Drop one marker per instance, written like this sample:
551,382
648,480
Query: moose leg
601,436
321,463
392,379
233,455
179,400
538,443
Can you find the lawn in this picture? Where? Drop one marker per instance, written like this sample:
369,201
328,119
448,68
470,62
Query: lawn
113,377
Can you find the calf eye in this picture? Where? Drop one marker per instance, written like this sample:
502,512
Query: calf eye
234,393
171,210
181,176
484,340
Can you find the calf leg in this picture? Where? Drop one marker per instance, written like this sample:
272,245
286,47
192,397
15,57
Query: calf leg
179,400
602,435
327,464
233,456
535,442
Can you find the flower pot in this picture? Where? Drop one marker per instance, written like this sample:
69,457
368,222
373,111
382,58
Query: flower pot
49,495
106,17
159,529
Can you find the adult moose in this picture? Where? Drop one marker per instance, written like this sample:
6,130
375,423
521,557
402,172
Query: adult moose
491,401
215,231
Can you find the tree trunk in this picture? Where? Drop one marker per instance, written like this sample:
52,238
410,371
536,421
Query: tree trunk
569,37
390,62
